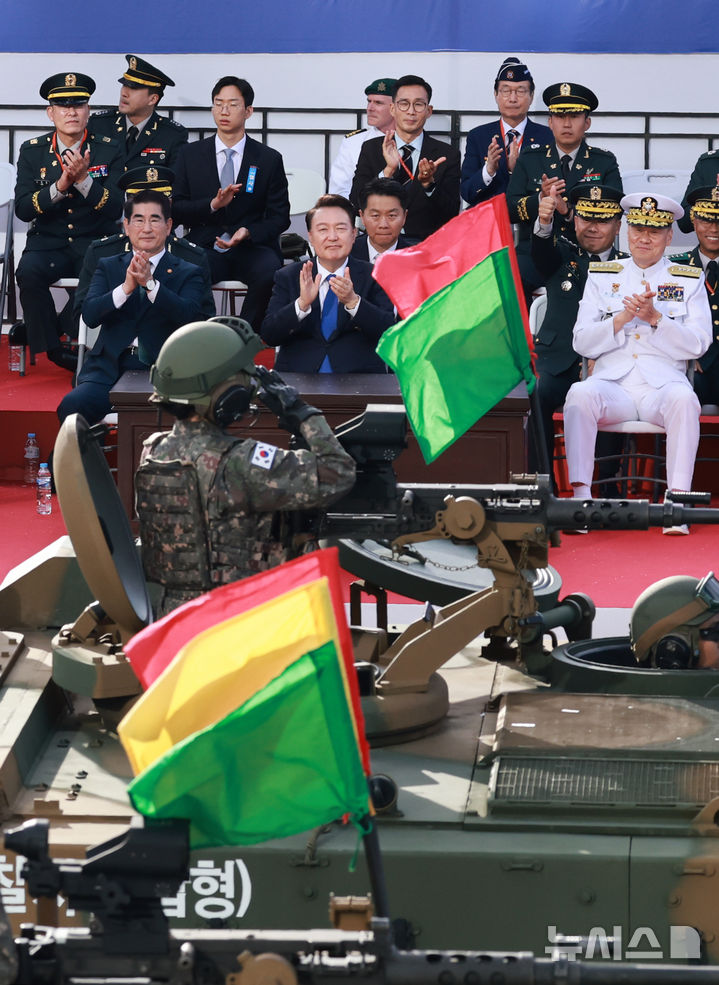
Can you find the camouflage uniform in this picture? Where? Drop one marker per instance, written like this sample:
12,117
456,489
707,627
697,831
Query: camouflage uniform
8,954
212,507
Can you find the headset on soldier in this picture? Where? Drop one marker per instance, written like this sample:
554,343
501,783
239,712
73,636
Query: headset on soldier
675,622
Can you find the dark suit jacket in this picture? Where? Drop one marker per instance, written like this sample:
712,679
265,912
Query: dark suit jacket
179,301
474,189
264,209
360,249
426,212
351,349
710,357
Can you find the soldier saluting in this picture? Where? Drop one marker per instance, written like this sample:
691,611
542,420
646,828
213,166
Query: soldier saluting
67,190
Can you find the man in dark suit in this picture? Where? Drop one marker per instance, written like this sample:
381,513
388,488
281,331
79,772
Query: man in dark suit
139,299
383,211
493,148
230,194
145,138
327,316
703,209
67,190
563,266
562,165
429,167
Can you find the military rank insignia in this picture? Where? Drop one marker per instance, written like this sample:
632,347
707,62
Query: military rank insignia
670,292
592,176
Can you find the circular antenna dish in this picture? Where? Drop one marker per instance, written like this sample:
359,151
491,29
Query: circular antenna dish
98,526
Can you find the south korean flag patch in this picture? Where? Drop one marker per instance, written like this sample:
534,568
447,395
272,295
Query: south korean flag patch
263,455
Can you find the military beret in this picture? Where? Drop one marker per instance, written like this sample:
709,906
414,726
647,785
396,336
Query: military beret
704,203
512,70
381,87
644,209
140,74
594,201
569,97
67,89
157,177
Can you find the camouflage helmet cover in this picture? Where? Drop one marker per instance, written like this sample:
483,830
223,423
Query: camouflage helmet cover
199,356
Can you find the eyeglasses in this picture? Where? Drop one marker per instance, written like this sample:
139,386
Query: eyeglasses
139,221
419,105
230,104
508,91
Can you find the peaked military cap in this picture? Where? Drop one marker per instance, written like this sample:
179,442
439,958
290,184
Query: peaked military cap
155,177
597,202
67,89
381,87
512,70
646,209
140,74
704,203
569,97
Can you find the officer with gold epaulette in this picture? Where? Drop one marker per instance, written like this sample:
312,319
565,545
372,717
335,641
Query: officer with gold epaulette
704,215
563,265
146,138
67,191
641,324
379,121
704,175
140,179
562,165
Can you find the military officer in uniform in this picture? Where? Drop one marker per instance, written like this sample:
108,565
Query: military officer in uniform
67,190
379,121
564,264
704,214
146,138
640,324
131,182
562,165
704,175
230,495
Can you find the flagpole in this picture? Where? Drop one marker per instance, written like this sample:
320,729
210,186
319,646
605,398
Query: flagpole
375,866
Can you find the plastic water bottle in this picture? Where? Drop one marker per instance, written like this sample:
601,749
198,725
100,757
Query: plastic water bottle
14,356
44,490
32,459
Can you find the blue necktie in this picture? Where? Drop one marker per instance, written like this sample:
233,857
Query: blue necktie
328,322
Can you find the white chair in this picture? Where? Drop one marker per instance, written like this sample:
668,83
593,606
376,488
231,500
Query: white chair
666,181
305,187
7,205
537,311
230,291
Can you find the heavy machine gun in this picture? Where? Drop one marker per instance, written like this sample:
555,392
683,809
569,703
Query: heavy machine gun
128,940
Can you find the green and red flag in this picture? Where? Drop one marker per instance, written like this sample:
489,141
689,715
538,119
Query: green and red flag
253,730
463,348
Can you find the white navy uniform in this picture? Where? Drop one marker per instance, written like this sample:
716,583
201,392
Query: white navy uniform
640,372
343,169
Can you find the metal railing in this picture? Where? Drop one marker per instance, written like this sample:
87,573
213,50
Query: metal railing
269,123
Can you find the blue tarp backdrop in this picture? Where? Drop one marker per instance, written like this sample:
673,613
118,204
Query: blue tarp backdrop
281,26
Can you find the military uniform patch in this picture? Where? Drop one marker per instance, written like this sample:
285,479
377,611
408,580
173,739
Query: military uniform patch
670,292
606,267
680,270
263,455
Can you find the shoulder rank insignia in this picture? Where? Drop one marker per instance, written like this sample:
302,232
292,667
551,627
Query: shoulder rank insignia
605,267
352,133
33,140
682,270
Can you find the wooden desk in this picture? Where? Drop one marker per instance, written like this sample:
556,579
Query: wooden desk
490,451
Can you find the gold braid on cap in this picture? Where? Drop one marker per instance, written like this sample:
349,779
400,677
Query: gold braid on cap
657,217
560,108
587,208
142,82
704,208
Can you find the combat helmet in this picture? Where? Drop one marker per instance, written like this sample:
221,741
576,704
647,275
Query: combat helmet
198,357
665,620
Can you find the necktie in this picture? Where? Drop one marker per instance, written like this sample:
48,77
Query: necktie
711,276
328,322
511,137
131,137
402,175
594,258
566,164
227,176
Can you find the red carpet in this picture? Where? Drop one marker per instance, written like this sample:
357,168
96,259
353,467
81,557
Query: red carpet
28,403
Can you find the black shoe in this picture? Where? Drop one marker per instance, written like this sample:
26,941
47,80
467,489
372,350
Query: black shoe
63,356
17,334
